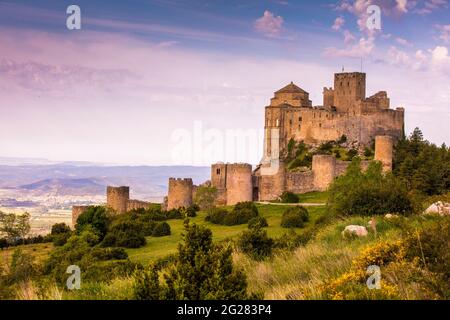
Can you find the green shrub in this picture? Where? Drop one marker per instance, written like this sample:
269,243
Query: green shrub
60,239
161,229
192,210
289,197
258,222
59,228
242,213
105,271
368,193
175,214
292,240
294,217
94,219
216,215
128,234
202,270
109,253
256,243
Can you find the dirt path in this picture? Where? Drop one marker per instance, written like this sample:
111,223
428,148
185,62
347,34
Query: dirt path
306,204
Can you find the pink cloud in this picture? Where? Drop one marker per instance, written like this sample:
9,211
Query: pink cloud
269,24
445,32
363,48
338,23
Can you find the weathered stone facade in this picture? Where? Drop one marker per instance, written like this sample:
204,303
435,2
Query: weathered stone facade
345,111
117,198
233,182
180,193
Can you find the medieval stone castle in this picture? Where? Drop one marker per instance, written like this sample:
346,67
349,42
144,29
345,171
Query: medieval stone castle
290,116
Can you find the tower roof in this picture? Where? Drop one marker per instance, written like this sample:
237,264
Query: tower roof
291,88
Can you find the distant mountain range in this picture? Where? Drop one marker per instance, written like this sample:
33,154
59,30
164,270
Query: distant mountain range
86,179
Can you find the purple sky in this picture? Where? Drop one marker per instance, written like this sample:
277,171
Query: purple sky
133,79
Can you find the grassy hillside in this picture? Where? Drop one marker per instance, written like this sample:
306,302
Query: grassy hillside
159,247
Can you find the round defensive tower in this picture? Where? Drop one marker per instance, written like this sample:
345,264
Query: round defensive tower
239,183
180,193
383,151
324,168
117,198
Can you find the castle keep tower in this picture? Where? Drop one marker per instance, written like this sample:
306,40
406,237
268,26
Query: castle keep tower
239,183
324,168
348,88
117,198
180,193
383,151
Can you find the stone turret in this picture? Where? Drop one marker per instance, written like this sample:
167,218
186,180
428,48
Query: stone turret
324,171
117,198
239,183
383,151
180,193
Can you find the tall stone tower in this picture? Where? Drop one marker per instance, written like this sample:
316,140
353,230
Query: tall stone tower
239,183
180,193
383,151
117,198
348,88
219,181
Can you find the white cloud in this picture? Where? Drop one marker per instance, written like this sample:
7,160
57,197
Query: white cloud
338,23
430,6
440,57
445,32
402,5
269,24
434,60
403,42
348,37
363,48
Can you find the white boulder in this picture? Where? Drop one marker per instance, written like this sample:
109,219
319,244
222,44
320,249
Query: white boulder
441,208
359,231
390,216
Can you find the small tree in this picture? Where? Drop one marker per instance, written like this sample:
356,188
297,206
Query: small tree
14,226
201,271
95,219
59,228
256,243
289,197
205,197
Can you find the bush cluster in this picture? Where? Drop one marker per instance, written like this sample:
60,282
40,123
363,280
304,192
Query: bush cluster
256,243
294,217
369,193
242,213
289,197
258,222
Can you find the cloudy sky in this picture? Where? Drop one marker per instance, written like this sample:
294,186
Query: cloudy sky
171,82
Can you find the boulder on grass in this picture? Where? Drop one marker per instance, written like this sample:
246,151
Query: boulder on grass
441,208
359,231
